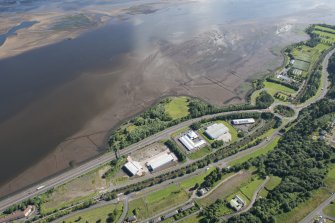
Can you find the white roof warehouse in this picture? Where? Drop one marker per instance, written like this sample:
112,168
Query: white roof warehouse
243,121
216,130
159,161
191,141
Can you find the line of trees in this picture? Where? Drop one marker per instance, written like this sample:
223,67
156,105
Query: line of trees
172,145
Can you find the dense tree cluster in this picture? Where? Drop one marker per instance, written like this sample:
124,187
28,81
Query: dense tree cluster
312,84
284,110
264,100
331,71
212,178
299,161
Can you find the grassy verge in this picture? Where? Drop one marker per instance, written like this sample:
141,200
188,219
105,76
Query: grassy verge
199,153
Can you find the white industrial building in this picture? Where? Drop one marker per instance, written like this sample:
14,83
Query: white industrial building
160,160
191,141
133,167
218,131
243,121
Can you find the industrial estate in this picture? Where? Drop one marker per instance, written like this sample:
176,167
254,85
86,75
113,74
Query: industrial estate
183,160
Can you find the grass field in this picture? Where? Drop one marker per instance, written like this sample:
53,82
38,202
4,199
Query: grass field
330,210
259,152
199,153
177,107
93,215
80,189
272,88
273,182
249,189
157,201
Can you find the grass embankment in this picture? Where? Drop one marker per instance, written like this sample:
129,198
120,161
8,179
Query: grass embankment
316,199
96,214
177,107
258,152
270,185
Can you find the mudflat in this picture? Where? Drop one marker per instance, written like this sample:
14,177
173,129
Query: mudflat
62,99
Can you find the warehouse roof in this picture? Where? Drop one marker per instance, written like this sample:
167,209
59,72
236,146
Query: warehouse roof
216,130
243,121
133,167
160,160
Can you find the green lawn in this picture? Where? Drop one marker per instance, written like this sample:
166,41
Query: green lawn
273,182
249,189
95,214
199,153
177,107
272,88
158,201
258,152
330,210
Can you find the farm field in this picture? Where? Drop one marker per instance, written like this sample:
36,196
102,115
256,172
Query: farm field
156,202
301,65
177,107
95,214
